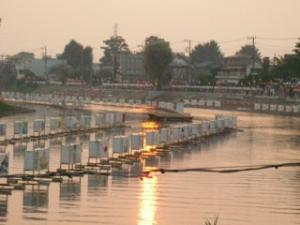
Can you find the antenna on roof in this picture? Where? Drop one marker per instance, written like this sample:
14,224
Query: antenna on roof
116,30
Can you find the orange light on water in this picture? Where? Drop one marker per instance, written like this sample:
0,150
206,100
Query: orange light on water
148,198
150,125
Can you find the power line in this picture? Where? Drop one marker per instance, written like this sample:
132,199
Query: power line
279,39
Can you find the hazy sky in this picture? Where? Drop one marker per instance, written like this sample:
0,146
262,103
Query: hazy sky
30,24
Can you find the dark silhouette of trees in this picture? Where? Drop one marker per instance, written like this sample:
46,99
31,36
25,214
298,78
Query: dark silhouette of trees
158,55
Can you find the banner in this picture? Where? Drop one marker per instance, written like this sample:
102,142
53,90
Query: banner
38,125
2,129
20,127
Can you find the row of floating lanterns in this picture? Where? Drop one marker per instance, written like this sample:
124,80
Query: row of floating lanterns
124,145
277,108
78,100
20,128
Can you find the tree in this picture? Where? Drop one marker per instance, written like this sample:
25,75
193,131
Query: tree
62,72
248,50
158,55
265,74
152,39
297,58
22,57
113,46
8,74
73,54
79,58
209,51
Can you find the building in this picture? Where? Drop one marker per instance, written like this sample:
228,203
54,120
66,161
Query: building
39,67
132,67
236,68
181,71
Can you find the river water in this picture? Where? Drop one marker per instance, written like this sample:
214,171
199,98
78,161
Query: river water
268,197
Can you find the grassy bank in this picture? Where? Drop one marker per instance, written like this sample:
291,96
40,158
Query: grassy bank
6,109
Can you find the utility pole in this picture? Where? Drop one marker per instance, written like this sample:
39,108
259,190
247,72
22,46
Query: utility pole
253,53
189,48
46,62
116,30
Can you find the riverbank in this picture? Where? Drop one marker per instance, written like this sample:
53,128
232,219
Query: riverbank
8,110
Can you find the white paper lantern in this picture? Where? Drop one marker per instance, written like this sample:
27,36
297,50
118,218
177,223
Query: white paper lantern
85,121
21,127
180,107
70,154
164,135
195,130
36,160
137,141
98,149
99,119
70,122
55,123
118,117
109,118
175,134
257,106
152,138
39,125
120,144
2,129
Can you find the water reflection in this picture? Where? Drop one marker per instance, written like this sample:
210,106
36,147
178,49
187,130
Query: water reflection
3,205
35,197
55,142
97,182
70,190
148,198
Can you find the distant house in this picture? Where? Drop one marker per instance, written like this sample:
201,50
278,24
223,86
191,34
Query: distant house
181,71
39,67
132,67
236,68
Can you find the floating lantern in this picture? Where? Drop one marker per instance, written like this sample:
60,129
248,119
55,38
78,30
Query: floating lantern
39,125
71,154
21,127
137,141
2,129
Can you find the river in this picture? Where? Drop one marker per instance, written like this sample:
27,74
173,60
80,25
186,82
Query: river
268,197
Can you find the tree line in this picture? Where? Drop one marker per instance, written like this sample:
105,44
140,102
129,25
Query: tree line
157,57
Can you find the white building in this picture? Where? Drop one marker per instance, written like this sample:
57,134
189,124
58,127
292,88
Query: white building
132,66
39,67
236,68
